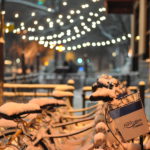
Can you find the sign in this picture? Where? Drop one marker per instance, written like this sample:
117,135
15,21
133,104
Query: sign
130,120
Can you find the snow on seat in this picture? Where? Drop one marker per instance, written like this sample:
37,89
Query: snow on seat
13,110
7,123
70,82
60,94
87,88
64,88
99,139
43,102
103,94
101,127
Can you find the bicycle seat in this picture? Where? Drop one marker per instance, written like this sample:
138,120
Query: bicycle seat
44,102
12,110
7,123
61,94
103,94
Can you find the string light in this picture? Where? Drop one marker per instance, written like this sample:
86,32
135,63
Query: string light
99,44
71,21
76,29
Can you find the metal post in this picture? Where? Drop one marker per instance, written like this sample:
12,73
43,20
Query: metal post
142,95
37,62
142,89
23,66
2,41
83,101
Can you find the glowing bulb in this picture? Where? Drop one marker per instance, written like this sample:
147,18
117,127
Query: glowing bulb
29,29
78,11
64,3
118,39
68,48
40,27
108,42
16,15
33,14
61,23
72,12
55,36
93,44
103,43
82,24
78,46
73,38
78,35
31,38
83,32
88,43
124,37
51,25
58,20
64,41
48,19
35,22
7,24
91,14
49,9
98,22
42,38
74,48
6,30
36,38
96,14
98,44
68,17
69,39
129,35
60,16
71,20
41,42
113,41
89,19
22,24
80,60
49,37
81,17
22,28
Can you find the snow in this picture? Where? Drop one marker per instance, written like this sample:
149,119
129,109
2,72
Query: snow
65,88
104,92
87,88
12,108
46,101
7,123
57,93
99,138
71,82
101,126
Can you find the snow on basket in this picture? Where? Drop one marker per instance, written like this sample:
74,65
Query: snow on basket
11,109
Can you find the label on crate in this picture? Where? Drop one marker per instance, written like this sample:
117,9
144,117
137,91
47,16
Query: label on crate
130,120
